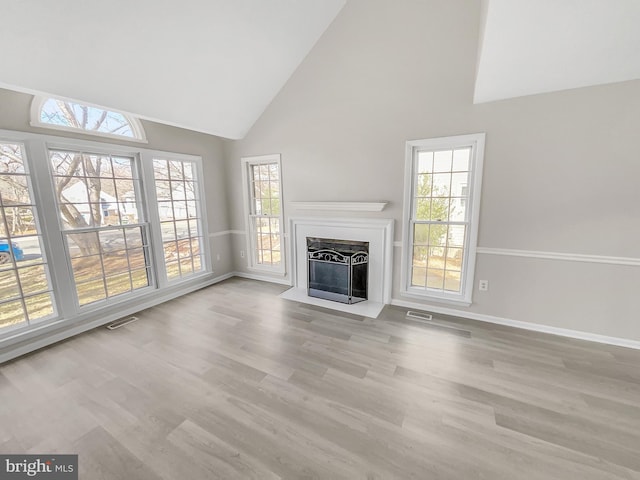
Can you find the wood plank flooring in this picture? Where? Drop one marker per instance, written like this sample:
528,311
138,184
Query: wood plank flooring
232,382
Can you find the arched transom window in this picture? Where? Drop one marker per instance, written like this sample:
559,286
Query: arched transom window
61,114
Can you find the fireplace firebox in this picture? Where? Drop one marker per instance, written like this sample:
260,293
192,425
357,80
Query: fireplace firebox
338,269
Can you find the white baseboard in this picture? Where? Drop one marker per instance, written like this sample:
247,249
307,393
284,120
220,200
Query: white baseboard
536,327
263,278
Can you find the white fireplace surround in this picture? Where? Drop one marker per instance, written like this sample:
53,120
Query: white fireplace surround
379,234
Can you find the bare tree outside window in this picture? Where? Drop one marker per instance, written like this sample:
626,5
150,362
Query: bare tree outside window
84,117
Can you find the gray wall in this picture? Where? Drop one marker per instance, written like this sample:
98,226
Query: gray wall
561,170
15,115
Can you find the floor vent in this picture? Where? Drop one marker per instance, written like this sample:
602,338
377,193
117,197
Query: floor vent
121,323
427,318
419,316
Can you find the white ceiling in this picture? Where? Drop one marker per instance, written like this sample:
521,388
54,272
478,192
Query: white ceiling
214,65
207,65
537,46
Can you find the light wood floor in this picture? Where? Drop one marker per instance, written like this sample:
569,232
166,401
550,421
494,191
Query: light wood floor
233,382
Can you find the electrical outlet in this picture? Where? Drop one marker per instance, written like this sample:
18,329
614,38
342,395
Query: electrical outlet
241,253
483,285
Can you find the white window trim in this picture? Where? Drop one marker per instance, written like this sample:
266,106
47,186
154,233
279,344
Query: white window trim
252,263
154,217
476,142
139,135
54,251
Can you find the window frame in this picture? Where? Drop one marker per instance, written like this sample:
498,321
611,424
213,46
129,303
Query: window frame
476,142
28,324
68,312
156,233
139,134
252,261
143,223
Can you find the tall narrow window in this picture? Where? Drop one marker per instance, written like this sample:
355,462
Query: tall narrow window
25,289
264,212
103,224
177,192
442,209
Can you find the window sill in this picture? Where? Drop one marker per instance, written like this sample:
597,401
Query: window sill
432,298
281,272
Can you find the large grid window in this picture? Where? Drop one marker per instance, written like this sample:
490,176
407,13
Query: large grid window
265,212
180,222
443,212
103,226
25,288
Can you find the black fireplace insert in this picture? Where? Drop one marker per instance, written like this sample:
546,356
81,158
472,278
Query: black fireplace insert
338,269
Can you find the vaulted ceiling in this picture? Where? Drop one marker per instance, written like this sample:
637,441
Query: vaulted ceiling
536,46
207,65
214,65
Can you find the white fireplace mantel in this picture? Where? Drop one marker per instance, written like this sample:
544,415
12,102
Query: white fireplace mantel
340,206
379,234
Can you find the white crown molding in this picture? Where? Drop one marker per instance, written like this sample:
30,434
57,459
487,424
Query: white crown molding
568,257
341,206
562,332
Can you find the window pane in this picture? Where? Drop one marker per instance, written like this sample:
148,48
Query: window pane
86,268
439,216
8,286
33,279
11,160
82,244
79,116
39,306
173,270
441,185
23,270
456,235
115,262
419,276
91,292
452,281
12,314
266,208
454,259
112,240
118,284
461,159
442,161
184,248
182,229
178,210
139,279
435,278
14,190
98,191
168,231
94,190
163,190
195,246
425,162
133,237
197,263
123,167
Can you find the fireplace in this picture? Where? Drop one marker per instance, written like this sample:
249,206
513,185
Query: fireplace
376,232
338,269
